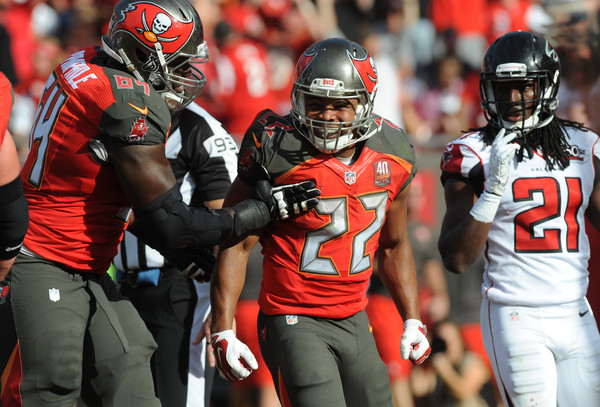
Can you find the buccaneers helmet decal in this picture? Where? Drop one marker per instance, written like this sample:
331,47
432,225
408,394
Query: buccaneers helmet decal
367,71
303,62
153,24
160,42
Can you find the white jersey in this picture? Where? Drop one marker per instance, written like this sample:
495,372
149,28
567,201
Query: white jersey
537,249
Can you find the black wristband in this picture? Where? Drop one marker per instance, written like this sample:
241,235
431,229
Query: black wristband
11,191
14,218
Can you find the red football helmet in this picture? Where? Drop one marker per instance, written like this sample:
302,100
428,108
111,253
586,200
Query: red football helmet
160,41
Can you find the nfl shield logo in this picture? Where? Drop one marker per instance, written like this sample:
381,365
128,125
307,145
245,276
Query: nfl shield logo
514,316
54,294
350,177
291,319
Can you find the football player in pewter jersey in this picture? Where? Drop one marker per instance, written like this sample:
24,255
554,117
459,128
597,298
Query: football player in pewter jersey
313,330
518,190
97,150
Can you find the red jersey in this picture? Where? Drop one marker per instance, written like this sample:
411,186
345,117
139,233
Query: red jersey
319,263
506,17
244,84
77,209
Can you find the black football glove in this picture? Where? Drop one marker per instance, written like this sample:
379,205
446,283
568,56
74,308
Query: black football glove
267,203
295,198
194,263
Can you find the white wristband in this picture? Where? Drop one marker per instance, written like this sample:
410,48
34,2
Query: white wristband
486,207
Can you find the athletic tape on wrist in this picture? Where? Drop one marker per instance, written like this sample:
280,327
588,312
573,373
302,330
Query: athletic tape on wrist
486,207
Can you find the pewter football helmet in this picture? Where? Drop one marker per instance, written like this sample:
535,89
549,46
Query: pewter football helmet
335,68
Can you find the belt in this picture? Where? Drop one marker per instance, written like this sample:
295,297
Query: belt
145,278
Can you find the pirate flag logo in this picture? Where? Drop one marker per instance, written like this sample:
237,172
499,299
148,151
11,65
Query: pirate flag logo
152,24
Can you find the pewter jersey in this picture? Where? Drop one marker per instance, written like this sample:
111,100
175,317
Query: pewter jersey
537,249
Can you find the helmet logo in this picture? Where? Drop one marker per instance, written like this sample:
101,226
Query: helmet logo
151,24
367,71
160,25
302,64
551,52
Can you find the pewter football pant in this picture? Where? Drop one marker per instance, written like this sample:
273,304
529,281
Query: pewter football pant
78,336
324,362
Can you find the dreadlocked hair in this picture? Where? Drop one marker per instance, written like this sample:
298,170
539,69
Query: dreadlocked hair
550,140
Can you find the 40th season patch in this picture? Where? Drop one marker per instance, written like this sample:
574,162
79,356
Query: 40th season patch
383,173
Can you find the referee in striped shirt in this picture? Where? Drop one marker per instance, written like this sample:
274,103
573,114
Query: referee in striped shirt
204,160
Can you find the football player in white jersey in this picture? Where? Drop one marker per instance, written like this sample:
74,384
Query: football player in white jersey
519,190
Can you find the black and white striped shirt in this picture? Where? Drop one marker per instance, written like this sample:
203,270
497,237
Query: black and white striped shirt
204,160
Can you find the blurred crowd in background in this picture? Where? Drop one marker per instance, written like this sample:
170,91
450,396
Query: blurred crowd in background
428,55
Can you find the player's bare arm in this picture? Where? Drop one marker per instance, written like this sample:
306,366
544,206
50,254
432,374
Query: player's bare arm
144,171
396,262
228,278
462,238
234,359
398,273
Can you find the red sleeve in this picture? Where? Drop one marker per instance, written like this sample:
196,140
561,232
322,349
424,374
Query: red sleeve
6,100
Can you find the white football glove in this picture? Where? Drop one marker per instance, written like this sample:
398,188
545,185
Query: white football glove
501,157
414,344
235,361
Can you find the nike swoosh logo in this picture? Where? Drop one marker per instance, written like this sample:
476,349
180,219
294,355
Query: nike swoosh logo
258,143
583,313
142,111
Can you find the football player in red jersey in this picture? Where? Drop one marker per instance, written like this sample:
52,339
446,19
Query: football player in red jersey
98,150
313,331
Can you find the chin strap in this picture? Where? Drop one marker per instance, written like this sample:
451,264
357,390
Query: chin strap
121,57
111,52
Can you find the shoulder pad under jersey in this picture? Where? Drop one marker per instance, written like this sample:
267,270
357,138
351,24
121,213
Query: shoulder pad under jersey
271,147
138,115
463,158
113,100
462,154
391,139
